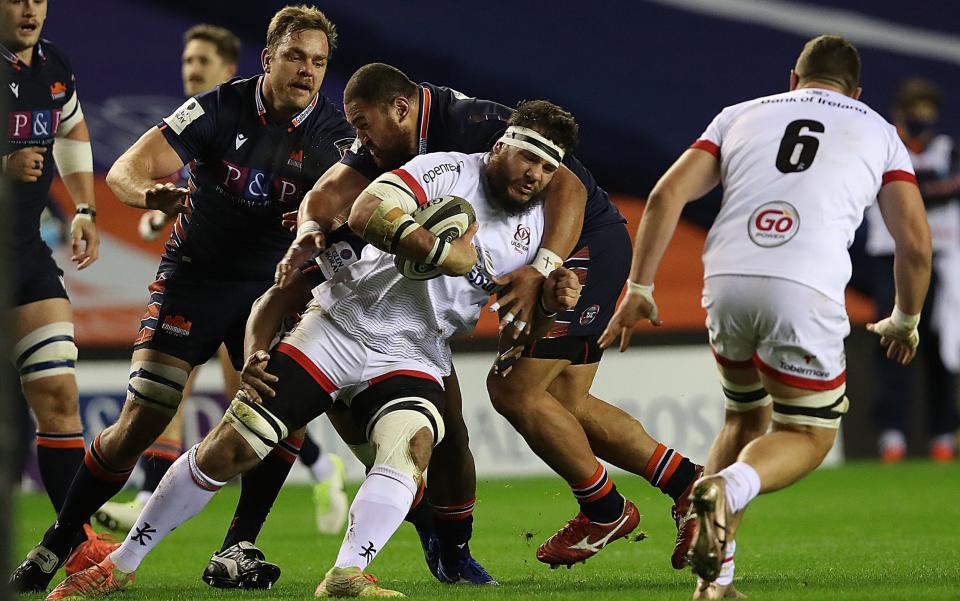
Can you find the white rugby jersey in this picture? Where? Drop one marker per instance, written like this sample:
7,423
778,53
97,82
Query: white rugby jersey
396,316
798,171
944,220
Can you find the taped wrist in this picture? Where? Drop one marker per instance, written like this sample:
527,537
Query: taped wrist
390,222
903,320
308,227
546,261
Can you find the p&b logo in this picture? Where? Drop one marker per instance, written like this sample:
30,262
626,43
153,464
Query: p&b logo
32,125
773,224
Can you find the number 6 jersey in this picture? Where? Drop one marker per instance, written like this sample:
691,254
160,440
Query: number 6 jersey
798,171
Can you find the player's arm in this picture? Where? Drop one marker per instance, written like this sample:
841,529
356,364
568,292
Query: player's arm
381,216
133,176
905,218
265,320
694,174
74,158
333,194
565,201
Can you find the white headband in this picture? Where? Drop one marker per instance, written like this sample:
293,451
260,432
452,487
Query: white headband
533,141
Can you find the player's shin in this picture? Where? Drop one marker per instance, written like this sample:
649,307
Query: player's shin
403,438
182,493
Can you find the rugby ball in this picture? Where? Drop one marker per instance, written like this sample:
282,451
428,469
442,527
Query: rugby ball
447,218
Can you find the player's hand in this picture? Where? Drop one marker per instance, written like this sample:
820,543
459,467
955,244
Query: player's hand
85,241
26,164
254,379
151,224
561,290
463,254
289,220
305,247
167,198
503,364
522,288
899,339
633,308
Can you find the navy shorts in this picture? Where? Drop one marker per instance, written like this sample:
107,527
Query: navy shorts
191,314
602,262
36,275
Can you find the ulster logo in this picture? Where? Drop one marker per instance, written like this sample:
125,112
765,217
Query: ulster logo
521,239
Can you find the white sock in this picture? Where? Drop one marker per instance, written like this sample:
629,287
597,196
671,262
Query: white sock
375,514
142,497
726,568
743,485
182,493
322,468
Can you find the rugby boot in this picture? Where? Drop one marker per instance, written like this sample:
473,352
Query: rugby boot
709,505
712,590
118,516
464,570
686,524
431,552
242,565
36,571
330,502
96,581
352,582
91,551
581,539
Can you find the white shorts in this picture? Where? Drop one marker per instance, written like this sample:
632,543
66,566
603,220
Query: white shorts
341,365
788,331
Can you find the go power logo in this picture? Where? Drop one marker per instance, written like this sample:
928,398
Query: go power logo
773,224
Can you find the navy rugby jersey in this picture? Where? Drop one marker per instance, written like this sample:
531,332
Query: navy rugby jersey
247,172
453,122
35,98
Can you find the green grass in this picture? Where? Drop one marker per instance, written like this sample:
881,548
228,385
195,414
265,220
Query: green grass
863,531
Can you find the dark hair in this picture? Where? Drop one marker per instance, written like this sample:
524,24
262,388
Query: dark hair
226,43
378,84
830,59
548,119
916,90
294,19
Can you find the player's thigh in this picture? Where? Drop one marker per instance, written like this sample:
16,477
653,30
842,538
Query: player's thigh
528,378
572,387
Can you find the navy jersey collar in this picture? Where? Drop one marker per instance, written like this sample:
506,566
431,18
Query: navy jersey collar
15,61
426,100
296,121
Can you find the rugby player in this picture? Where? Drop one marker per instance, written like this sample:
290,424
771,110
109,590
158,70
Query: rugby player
378,333
209,58
546,395
258,144
798,169
45,125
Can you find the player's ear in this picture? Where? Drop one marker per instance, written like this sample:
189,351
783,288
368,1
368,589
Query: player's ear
231,71
402,106
856,93
265,60
794,80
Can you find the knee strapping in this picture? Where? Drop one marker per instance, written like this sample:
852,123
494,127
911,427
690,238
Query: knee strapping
821,409
744,397
365,453
394,426
47,351
157,385
261,429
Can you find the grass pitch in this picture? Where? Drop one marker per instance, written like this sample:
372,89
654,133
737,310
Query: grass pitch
863,531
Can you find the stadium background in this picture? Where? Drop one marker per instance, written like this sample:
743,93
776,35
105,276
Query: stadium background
643,79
